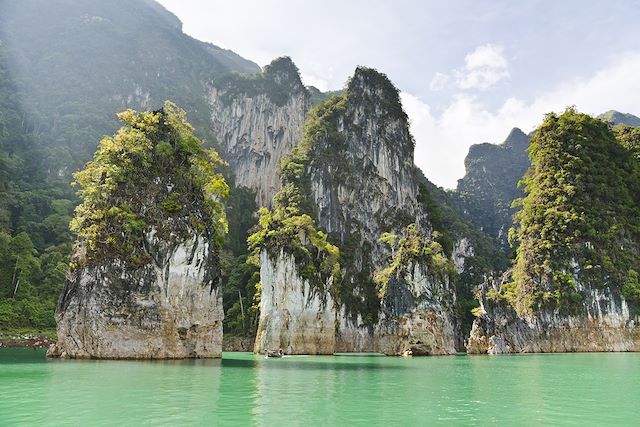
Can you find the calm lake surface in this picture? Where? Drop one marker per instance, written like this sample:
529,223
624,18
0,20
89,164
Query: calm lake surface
243,389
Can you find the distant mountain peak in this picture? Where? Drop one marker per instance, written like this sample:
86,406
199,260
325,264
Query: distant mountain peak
516,138
368,86
283,71
618,118
365,77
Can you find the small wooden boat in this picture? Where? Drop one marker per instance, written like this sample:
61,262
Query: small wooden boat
275,353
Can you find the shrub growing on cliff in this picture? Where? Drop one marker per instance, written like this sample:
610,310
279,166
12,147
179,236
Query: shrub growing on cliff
631,289
290,225
412,248
286,228
580,216
278,80
629,137
152,176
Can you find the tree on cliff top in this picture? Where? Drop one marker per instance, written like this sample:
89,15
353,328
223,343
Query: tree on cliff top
580,217
152,176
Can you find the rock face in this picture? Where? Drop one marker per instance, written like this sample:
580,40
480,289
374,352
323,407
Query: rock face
360,182
301,321
574,282
171,309
606,324
416,317
293,317
144,282
462,249
491,184
258,120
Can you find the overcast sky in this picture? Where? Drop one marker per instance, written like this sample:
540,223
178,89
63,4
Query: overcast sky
469,71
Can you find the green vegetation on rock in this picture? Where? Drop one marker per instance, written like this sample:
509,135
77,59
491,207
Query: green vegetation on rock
153,176
66,68
289,225
445,211
629,137
278,80
35,210
76,64
580,218
285,228
409,250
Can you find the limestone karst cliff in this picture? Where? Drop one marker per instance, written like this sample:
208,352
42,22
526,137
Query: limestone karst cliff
348,182
605,322
258,119
490,184
171,308
574,282
144,282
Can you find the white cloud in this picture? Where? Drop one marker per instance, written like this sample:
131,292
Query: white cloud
318,82
488,55
440,81
483,68
443,140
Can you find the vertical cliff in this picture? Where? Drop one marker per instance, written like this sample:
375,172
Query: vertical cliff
604,322
296,317
145,276
258,119
170,308
351,184
490,184
574,283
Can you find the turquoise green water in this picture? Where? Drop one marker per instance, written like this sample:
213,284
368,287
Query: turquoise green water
243,389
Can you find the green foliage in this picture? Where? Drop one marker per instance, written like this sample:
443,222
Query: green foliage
119,54
629,137
279,81
286,228
446,213
153,174
317,97
581,208
289,225
35,210
631,289
388,97
412,248
30,281
240,280
389,239
239,277
321,124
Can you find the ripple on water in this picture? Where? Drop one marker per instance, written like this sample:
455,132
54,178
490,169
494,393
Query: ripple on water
243,389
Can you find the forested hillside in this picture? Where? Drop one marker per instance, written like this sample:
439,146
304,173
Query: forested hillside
66,69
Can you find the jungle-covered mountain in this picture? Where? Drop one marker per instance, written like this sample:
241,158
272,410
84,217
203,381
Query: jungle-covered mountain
66,69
